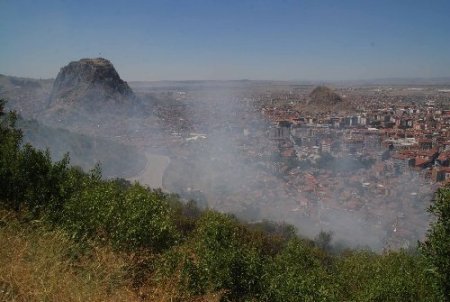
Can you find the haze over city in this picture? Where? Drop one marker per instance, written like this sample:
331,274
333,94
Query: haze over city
206,150
228,40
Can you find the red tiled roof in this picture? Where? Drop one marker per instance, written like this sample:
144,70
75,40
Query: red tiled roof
421,161
425,140
444,169
444,156
400,156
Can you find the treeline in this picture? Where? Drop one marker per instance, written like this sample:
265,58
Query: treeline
174,248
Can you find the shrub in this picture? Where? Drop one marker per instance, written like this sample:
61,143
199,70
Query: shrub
396,276
298,273
130,218
436,248
222,262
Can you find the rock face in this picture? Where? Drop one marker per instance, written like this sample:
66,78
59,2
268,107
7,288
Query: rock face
322,95
90,84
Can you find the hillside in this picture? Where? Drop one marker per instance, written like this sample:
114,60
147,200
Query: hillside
117,160
28,97
62,226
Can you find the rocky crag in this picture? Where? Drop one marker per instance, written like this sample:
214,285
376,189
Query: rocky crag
92,84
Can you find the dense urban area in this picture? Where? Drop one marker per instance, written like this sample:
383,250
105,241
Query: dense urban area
363,162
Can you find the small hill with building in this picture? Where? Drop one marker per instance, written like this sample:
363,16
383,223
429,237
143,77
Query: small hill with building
325,99
322,95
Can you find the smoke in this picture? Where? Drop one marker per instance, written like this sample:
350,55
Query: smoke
209,141
229,161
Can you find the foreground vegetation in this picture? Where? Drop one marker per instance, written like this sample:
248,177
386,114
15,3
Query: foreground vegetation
69,235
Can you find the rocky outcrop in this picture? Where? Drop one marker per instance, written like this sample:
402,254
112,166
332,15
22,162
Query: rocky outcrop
92,84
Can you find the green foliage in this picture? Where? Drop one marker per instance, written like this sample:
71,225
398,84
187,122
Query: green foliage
223,261
130,218
397,276
39,180
28,177
193,280
436,248
144,220
299,273
184,215
91,211
268,237
10,139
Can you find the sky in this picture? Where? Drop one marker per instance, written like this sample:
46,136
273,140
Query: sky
229,40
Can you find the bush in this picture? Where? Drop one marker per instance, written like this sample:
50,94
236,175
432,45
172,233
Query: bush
396,276
299,273
436,248
144,220
222,262
130,218
28,177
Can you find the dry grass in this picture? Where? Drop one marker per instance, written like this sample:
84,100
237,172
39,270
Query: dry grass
168,292
38,264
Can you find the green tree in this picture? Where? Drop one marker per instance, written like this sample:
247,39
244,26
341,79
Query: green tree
129,218
396,276
28,177
144,220
300,273
10,140
222,261
436,248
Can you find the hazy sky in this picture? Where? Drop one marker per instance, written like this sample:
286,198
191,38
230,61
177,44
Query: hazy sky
228,39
